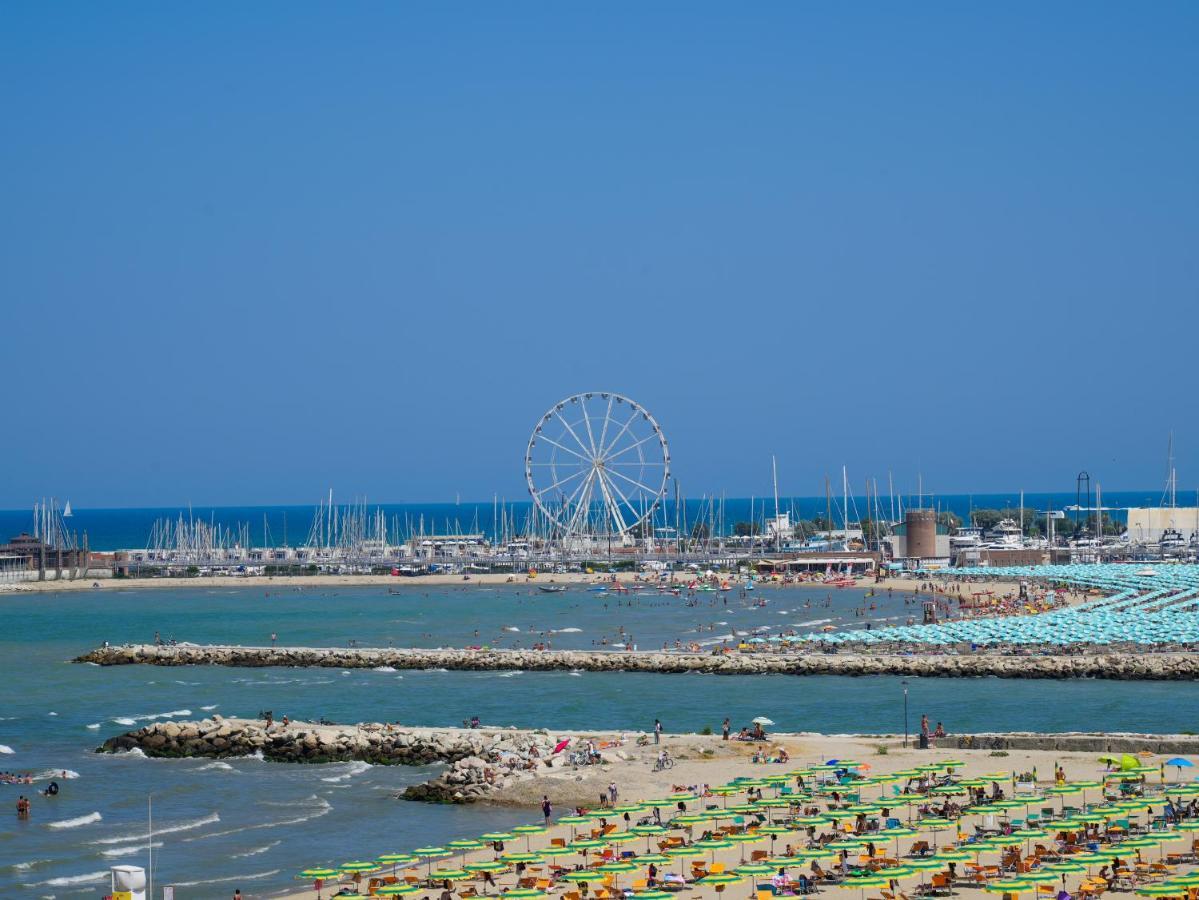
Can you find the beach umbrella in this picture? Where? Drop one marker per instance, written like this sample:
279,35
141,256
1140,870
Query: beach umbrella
762,720
647,831
1010,886
953,854
397,890
1179,763
1165,889
524,894
712,845
490,865
318,874
721,880
752,869
492,837
616,867
464,846
520,857
396,860
863,884
621,837
654,895
682,854
450,875
358,866
527,831
582,875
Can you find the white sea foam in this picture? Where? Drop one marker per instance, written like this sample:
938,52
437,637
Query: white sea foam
323,808
218,765
94,725
190,825
256,851
52,713
210,708
77,822
511,628
4,748
124,720
510,674
68,880
356,768
570,630
384,668
812,622
252,877
130,849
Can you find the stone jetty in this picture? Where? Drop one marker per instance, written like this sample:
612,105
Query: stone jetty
480,762
1130,665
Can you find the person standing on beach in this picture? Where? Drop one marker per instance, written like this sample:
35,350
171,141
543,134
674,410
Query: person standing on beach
612,793
657,732
724,730
546,809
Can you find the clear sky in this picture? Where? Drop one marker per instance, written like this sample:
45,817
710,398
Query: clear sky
249,251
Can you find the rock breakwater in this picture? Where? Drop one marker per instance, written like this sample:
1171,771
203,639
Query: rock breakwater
480,762
1082,663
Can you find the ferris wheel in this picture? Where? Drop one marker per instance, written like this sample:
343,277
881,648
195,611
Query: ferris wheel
597,463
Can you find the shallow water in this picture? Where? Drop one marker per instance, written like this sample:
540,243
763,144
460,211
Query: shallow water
261,822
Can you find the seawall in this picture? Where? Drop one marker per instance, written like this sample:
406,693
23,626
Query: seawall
1130,665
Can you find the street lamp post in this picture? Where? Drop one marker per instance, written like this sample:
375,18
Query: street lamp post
905,712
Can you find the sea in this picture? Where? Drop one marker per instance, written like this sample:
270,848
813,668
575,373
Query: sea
253,825
278,526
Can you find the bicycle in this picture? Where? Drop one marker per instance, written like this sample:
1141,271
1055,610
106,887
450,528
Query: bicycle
662,763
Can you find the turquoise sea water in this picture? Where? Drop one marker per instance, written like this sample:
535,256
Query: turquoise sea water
258,823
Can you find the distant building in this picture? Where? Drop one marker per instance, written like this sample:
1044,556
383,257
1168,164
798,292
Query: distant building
1146,525
920,542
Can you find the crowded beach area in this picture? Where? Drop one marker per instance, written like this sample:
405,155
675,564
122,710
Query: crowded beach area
764,815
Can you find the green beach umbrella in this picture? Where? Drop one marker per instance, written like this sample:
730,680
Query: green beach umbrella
1163,890
397,890
321,873
490,865
617,866
524,894
582,875
1010,886
449,875
520,857
722,878
654,895
492,836
756,869
358,866
584,844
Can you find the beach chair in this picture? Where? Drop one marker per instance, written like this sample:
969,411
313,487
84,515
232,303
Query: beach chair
758,855
940,884
920,848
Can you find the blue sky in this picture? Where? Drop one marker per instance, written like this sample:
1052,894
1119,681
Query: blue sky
250,251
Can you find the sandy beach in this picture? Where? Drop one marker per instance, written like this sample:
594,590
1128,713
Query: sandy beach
998,589
707,760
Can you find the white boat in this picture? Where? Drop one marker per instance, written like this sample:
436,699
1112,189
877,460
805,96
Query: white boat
1005,536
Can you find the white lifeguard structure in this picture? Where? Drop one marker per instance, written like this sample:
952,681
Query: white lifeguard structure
128,883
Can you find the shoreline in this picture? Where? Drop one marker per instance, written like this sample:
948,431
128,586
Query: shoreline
1102,664
518,766
1001,588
